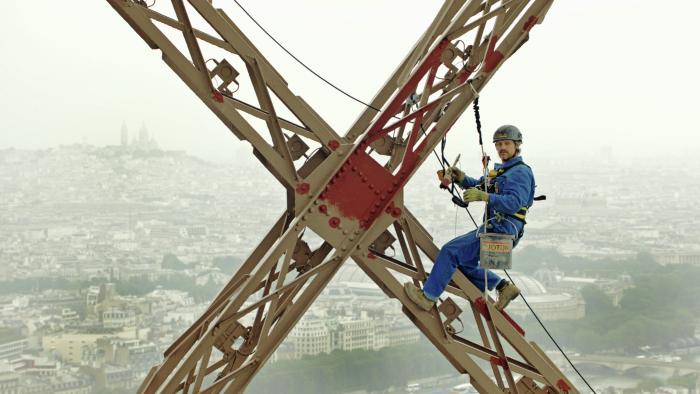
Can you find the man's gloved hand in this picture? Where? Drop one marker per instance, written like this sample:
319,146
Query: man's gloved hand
455,174
473,194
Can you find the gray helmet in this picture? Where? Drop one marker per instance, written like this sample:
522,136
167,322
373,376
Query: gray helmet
507,132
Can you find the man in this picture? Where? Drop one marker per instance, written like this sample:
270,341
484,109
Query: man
508,201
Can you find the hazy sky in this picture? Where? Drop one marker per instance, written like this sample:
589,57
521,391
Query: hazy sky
617,73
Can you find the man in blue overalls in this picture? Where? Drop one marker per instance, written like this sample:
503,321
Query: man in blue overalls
508,201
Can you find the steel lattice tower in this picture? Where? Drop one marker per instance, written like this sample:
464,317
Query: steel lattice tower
349,192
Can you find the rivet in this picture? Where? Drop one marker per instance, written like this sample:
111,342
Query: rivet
334,222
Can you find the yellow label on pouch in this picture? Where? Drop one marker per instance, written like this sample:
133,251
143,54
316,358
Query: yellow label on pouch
499,247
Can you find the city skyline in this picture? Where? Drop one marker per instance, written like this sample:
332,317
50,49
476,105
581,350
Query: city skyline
577,86
136,218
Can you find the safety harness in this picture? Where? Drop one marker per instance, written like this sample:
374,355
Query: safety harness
493,174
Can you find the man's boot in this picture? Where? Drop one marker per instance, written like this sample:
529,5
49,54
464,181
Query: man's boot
506,294
416,295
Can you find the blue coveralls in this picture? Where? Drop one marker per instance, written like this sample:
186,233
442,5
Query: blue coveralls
514,189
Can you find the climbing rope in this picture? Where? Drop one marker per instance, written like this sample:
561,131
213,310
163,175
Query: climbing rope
552,338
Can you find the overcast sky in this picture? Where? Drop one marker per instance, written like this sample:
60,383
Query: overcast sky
617,73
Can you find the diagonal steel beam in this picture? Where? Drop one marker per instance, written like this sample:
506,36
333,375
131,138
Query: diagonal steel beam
342,193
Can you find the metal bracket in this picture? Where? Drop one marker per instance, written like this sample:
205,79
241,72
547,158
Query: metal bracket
385,240
384,145
227,73
297,147
451,310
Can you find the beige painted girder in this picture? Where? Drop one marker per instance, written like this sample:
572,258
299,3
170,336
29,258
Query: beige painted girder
263,301
230,32
528,350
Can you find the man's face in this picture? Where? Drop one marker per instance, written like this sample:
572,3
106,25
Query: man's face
505,149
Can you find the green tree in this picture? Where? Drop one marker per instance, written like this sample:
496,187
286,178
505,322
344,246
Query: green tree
227,264
170,261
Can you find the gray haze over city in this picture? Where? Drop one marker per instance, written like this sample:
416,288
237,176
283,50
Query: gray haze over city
619,73
125,204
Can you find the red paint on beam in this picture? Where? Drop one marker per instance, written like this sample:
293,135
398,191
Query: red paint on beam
493,57
398,100
363,192
563,386
480,305
464,74
303,188
513,323
502,362
530,23
217,96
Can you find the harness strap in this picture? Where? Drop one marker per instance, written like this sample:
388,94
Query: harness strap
503,170
522,212
520,215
